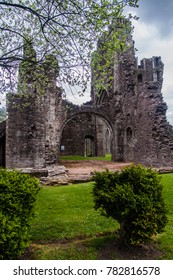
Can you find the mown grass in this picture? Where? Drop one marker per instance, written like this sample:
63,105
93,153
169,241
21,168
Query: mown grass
68,212
66,226
78,157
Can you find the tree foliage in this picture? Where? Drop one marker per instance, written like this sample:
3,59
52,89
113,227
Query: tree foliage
67,29
134,198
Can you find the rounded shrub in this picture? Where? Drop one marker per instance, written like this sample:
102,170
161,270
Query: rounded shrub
134,198
17,198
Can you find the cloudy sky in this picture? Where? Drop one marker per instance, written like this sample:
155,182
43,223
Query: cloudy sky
153,35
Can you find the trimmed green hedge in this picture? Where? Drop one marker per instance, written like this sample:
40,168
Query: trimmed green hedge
17,198
134,198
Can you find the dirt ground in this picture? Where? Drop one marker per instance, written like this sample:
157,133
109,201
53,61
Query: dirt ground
87,167
71,171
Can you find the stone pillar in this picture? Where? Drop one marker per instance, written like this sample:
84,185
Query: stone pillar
53,109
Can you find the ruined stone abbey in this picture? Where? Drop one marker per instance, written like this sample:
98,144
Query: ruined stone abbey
127,120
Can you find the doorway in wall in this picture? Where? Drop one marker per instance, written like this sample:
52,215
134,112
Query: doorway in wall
89,146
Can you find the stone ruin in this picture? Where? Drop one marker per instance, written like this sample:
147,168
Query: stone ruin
127,120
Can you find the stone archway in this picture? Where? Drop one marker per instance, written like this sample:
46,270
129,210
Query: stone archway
84,134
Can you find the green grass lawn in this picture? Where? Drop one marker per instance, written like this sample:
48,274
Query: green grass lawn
66,226
77,157
68,212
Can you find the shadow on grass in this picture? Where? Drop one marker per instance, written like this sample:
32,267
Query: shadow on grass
95,248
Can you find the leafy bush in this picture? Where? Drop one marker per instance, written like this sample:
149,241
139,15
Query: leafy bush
17,197
134,198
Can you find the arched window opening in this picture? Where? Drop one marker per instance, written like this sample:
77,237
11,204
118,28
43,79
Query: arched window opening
102,97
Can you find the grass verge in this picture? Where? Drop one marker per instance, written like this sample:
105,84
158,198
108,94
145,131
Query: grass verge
77,157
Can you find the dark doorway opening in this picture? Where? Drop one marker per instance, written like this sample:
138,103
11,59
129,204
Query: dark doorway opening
89,146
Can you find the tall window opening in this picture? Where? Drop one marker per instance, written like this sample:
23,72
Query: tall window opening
108,141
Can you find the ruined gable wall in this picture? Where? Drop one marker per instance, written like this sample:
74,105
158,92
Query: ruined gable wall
25,126
151,139
34,116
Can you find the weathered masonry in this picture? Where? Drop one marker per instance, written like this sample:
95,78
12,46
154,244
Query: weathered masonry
127,120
